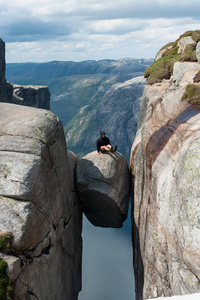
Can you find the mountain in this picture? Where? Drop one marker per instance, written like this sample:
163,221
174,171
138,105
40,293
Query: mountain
90,96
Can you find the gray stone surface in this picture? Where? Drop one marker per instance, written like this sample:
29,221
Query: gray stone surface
103,187
35,96
165,174
183,42
198,51
39,205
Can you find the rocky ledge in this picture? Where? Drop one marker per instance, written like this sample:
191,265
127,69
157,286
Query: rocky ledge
35,96
103,188
40,216
30,95
165,163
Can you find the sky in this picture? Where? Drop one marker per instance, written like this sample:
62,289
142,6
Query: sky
77,30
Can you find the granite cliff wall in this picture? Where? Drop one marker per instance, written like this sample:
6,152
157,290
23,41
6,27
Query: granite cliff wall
40,215
165,164
35,96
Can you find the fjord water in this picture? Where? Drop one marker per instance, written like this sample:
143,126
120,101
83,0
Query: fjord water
107,263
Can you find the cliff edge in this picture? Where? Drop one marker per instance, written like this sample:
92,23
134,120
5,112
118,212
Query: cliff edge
41,219
165,164
35,96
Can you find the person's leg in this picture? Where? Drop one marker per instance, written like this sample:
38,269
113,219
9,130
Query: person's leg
104,148
108,146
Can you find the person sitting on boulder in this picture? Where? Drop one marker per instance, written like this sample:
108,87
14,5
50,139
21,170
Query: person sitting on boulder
104,145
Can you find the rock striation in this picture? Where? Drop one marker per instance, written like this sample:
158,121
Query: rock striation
35,96
39,205
103,188
165,164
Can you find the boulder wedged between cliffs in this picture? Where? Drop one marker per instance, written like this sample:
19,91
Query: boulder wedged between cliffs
104,188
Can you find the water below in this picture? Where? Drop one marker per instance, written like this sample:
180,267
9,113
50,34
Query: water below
107,263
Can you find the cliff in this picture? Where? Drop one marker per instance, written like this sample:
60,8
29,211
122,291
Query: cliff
40,216
165,174
3,88
35,96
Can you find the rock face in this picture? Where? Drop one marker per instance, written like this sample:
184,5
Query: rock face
3,89
35,96
198,51
103,187
165,163
39,205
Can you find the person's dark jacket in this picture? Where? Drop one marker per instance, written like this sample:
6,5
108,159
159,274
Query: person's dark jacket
102,141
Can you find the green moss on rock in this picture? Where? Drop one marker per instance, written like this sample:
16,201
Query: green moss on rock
5,242
160,69
6,290
189,53
192,94
163,67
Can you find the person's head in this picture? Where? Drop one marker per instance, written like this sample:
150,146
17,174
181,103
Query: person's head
102,133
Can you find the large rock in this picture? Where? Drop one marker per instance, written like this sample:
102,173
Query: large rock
39,205
103,187
198,51
165,165
183,42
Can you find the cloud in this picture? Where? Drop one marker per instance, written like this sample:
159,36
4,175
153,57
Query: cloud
92,29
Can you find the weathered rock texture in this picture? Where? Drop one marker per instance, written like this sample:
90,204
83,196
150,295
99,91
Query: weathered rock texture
35,96
165,165
103,187
39,205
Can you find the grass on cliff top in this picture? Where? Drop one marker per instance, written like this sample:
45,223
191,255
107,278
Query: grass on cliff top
6,291
163,67
192,94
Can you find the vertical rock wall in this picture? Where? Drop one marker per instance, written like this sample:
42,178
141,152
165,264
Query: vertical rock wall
3,88
39,205
165,163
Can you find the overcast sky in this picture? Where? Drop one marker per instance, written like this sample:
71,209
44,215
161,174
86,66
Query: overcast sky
46,30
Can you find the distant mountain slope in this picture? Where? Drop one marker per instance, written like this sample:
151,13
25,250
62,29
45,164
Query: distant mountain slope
58,69
117,113
90,96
